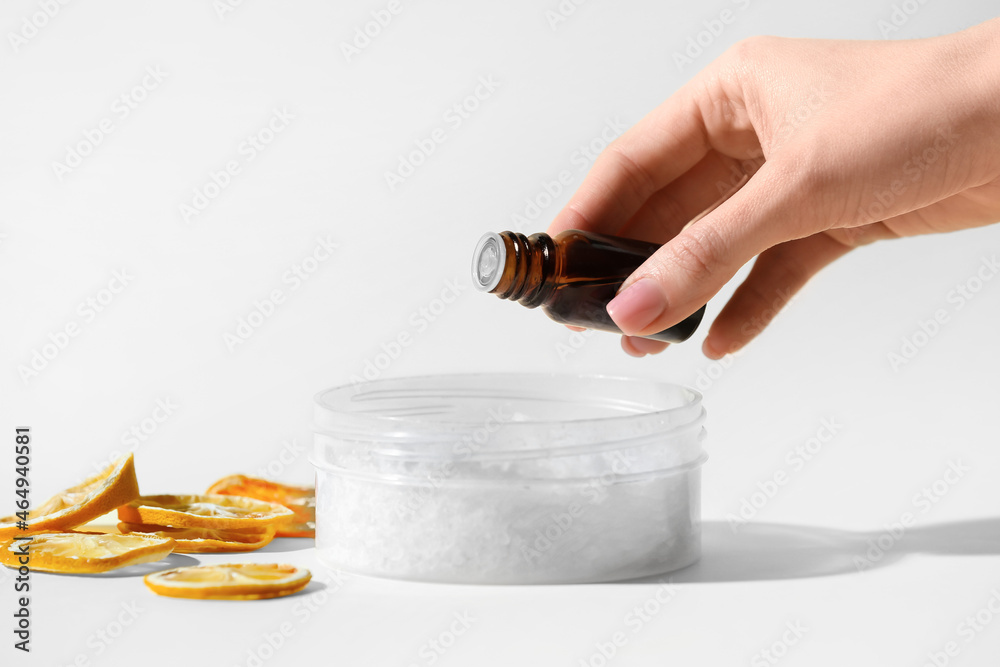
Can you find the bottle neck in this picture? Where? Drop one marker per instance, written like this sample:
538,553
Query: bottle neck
515,267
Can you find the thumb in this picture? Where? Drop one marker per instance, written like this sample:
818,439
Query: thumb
692,267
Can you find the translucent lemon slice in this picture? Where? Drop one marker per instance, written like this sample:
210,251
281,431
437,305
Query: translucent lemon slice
204,511
232,581
84,553
300,499
115,485
205,540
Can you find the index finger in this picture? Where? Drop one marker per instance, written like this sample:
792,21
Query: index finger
665,144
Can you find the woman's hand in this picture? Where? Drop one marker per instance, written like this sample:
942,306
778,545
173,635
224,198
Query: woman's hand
845,143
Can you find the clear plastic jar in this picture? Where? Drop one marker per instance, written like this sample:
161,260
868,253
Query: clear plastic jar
508,478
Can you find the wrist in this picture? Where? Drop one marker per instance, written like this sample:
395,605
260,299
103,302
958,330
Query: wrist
975,102
980,47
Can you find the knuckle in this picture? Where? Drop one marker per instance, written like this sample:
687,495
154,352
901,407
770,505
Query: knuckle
669,214
789,271
751,50
810,182
695,252
804,175
638,177
861,235
809,169
796,160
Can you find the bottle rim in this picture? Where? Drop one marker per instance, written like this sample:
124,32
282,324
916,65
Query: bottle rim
488,262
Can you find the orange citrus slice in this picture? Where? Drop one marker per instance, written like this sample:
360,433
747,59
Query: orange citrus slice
232,581
83,553
206,511
300,499
98,495
205,540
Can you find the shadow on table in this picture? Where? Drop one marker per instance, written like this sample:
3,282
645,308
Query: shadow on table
764,551
283,544
142,569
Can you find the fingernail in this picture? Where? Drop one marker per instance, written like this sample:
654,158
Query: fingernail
630,349
648,345
709,350
637,307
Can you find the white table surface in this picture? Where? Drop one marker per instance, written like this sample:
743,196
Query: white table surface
788,582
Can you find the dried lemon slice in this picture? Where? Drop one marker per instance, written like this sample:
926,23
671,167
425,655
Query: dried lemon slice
205,540
204,511
300,499
98,495
232,581
83,553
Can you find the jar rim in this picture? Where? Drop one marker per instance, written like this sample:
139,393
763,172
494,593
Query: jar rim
428,417
322,403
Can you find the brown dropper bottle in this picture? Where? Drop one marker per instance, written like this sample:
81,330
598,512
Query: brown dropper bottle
572,276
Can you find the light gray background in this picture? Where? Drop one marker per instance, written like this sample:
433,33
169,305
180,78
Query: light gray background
161,339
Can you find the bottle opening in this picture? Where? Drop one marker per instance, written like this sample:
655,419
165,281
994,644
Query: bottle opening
488,262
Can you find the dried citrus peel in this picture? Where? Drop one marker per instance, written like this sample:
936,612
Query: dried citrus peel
300,499
114,486
205,540
215,512
232,581
84,553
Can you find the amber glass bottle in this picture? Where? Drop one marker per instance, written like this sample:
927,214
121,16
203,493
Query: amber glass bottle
572,276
